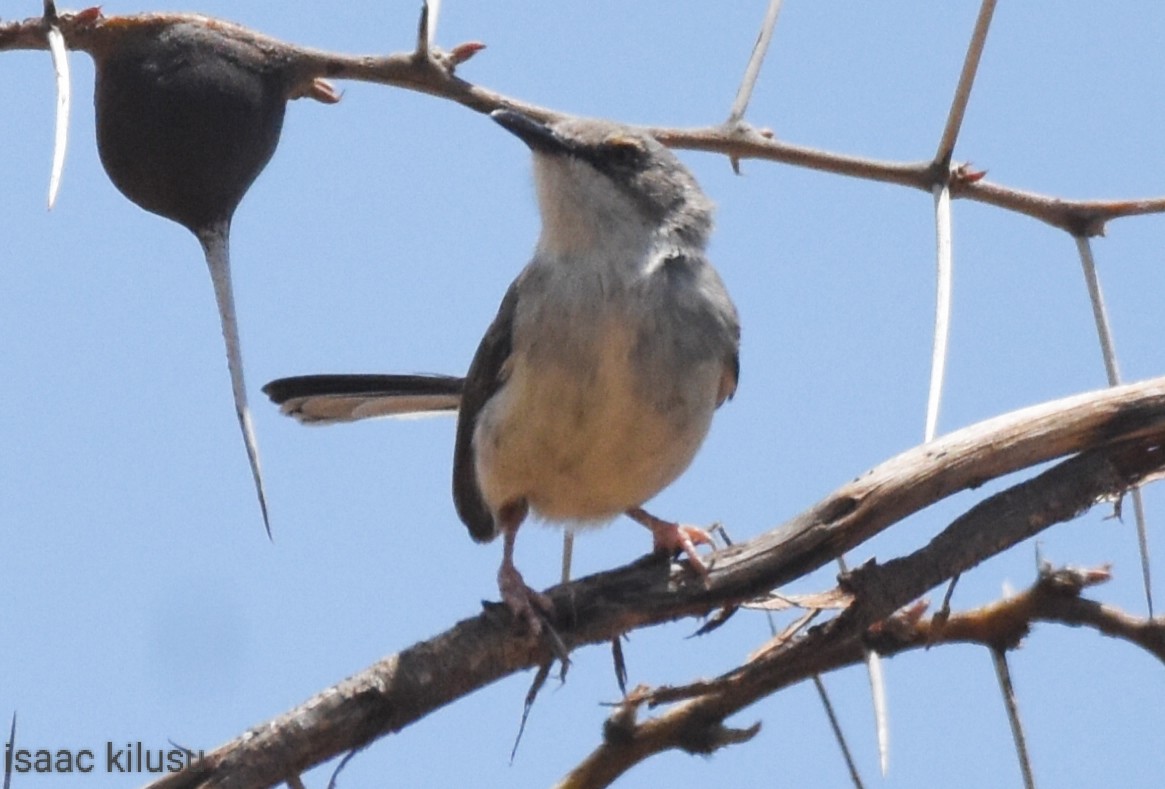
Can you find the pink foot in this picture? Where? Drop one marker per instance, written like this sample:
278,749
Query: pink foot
527,605
671,538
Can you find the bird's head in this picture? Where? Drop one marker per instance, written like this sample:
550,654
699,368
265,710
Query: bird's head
601,179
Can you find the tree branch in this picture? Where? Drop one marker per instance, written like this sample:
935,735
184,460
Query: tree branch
697,725
1127,423
434,74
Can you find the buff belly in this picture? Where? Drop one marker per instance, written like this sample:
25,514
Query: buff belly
583,443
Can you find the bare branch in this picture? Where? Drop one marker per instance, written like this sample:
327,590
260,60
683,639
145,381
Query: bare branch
90,32
1055,597
404,687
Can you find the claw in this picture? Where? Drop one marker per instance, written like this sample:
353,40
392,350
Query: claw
526,604
672,538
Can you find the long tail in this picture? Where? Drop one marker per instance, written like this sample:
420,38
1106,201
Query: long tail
329,399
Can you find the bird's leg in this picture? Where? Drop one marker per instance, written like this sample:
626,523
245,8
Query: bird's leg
527,605
671,538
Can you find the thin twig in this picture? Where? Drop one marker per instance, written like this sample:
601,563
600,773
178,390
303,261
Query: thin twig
1003,673
1055,597
946,144
1081,217
1112,370
944,611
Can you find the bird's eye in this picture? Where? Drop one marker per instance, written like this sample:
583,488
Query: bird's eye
624,150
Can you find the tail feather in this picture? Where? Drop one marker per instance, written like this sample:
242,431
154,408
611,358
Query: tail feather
330,399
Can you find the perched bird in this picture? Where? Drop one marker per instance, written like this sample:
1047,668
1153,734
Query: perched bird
595,385
187,117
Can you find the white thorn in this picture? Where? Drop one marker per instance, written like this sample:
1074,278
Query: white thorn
64,100
216,245
942,308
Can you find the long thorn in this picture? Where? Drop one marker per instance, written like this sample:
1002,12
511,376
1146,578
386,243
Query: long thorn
60,58
1099,311
830,713
427,27
835,724
1112,370
881,708
944,274
216,245
877,695
1003,673
752,70
434,17
567,553
946,146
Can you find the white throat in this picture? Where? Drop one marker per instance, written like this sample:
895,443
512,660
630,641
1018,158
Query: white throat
585,215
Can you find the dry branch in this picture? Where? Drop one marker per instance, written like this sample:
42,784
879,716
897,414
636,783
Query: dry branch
1059,494
432,72
1120,431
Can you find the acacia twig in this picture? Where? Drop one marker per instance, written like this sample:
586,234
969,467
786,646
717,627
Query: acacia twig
84,31
1055,598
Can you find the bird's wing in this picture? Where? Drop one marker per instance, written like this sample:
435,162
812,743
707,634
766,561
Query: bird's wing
695,295
330,399
484,379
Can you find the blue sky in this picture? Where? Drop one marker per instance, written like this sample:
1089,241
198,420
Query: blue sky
139,596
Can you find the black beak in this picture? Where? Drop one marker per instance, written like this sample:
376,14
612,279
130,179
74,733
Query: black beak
536,134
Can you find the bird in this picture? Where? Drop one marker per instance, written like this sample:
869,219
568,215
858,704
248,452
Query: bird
596,383
187,117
